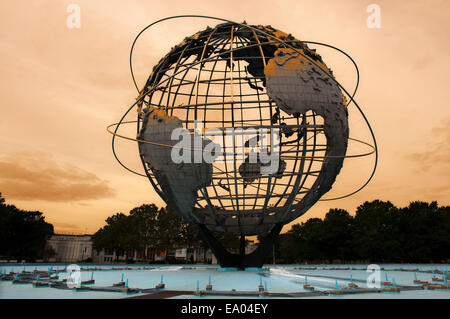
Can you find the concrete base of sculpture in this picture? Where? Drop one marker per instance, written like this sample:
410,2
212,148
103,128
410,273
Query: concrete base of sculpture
241,261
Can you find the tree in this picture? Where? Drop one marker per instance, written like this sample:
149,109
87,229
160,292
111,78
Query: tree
144,220
376,237
337,235
145,227
170,229
425,232
23,234
117,235
290,246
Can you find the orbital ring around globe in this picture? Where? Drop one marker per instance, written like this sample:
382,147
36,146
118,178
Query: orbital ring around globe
108,128
203,60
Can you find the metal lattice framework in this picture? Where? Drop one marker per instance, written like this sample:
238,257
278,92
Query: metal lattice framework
217,77
208,78
225,77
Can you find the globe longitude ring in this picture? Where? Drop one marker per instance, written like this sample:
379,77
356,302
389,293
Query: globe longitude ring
255,79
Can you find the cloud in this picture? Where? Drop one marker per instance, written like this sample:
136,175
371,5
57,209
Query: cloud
438,152
37,176
423,62
436,191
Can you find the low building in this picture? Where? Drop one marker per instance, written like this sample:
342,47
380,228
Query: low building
78,248
195,255
70,248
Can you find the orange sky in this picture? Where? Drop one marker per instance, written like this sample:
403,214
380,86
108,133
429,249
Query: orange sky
61,87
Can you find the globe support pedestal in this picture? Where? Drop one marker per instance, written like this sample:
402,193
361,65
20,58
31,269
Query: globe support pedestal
241,261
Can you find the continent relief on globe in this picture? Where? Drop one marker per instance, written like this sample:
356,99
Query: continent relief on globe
298,85
180,181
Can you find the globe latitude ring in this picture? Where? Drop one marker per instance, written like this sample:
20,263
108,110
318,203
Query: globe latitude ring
109,130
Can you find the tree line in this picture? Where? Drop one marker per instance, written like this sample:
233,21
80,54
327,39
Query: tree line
23,234
145,227
378,232
150,227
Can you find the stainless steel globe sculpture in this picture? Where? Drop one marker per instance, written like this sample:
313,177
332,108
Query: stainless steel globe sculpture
241,77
